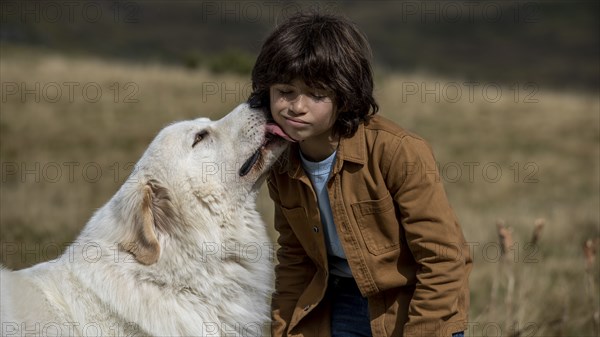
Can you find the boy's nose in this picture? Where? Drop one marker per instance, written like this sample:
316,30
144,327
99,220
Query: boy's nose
298,106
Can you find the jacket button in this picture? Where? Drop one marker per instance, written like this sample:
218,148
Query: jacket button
316,229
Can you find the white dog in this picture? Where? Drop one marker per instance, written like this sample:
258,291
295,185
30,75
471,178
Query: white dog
178,251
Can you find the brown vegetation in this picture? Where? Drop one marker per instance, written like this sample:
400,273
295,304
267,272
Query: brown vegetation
528,154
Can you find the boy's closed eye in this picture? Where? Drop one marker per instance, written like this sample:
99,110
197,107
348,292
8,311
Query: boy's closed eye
284,92
288,95
292,94
318,96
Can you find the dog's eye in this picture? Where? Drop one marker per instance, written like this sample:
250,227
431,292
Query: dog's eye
199,136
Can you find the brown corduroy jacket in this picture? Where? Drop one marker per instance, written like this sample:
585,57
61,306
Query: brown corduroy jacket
403,243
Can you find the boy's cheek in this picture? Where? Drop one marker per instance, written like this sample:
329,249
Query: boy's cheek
276,106
275,113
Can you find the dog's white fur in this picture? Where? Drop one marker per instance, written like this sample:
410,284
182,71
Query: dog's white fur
178,251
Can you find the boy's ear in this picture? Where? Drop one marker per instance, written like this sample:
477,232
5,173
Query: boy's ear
155,215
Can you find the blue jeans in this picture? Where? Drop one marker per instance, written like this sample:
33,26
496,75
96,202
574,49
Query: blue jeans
350,311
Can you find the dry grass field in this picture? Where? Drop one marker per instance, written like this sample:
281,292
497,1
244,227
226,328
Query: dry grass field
70,129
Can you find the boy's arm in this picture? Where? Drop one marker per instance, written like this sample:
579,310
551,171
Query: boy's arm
434,238
290,273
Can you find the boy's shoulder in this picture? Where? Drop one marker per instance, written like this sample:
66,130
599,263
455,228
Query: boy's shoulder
379,124
387,141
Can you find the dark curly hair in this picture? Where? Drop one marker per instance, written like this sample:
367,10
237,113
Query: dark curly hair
327,52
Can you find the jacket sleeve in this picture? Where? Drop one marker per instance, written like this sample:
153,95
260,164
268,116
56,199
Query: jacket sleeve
291,270
434,238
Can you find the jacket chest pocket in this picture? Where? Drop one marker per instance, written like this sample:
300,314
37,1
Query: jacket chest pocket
300,223
378,224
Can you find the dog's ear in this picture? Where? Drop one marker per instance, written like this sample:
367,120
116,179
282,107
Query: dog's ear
156,215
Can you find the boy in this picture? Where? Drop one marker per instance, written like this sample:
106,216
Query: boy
369,243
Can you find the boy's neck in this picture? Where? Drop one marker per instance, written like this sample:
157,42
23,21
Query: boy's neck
319,150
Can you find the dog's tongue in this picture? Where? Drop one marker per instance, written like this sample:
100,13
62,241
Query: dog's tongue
278,131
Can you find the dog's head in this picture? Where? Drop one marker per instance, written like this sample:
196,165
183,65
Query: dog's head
233,152
196,168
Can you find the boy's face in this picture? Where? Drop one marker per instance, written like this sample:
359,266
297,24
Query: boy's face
304,113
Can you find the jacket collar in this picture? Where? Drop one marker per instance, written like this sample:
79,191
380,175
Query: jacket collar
352,149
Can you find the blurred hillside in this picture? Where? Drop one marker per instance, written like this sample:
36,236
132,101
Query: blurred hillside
552,43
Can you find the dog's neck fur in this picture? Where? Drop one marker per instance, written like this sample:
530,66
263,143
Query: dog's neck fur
217,265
